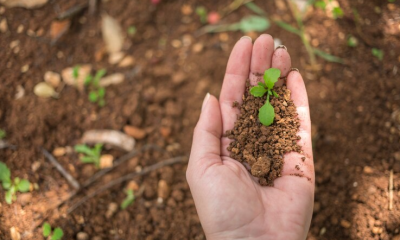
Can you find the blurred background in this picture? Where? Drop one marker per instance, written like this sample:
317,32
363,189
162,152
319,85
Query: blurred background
131,75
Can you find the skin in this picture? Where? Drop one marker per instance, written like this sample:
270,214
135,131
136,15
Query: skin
230,202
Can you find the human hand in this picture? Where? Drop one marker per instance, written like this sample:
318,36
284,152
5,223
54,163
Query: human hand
230,202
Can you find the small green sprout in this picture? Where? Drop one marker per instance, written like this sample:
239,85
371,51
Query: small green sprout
75,72
132,30
2,134
96,93
56,235
352,41
202,13
377,53
337,12
320,4
266,113
12,187
129,199
91,155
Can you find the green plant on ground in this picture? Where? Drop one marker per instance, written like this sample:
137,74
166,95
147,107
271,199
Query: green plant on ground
377,53
12,187
56,234
97,92
90,155
337,11
131,30
266,113
202,13
352,41
2,134
129,199
75,71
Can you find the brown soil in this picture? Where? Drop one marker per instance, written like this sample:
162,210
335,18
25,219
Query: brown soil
262,147
355,138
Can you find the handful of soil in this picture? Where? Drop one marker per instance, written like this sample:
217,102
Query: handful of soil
262,147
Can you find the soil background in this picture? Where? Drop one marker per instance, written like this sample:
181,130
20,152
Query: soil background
356,139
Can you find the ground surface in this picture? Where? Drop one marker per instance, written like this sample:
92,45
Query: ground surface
353,106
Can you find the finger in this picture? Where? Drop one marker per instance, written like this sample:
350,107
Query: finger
237,71
207,135
281,60
305,166
261,57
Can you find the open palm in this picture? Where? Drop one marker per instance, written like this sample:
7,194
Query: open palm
230,202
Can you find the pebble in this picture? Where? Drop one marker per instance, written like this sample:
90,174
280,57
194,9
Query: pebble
132,185
112,208
106,161
112,79
52,78
317,207
82,236
178,78
377,230
165,132
59,151
163,189
198,47
397,156
35,166
116,57
345,223
186,9
20,92
176,43
3,26
14,44
15,235
368,170
25,68
127,61
20,28
135,132
83,72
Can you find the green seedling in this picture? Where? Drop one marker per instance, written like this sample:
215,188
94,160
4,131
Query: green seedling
97,92
266,113
2,134
202,13
377,53
12,187
352,41
129,199
90,155
56,234
131,30
247,24
75,72
337,12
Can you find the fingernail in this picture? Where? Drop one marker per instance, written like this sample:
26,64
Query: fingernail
246,37
294,69
205,101
281,46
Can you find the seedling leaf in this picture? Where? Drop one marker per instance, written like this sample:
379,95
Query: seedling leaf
271,77
328,57
320,4
23,185
6,184
82,148
75,72
88,80
337,12
57,234
101,92
275,94
258,91
132,30
253,7
288,27
46,229
98,76
377,53
93,96
266,114
87,159
9,196
5,174
202,13
262,84
254,23
130,198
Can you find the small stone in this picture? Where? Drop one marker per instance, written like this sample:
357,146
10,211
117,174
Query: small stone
317,207
135,132
178,78
96,238
163,190
82,236
132,185
178,195
2,10
25,68
186,9
112,208
106,161
24,198
377,230
20,92
198,47
14,44
52,78
35,166
368,170
15,235
20,28
112,79
128,61
345,223
68,76
165,132
116,57
223,37
3,26
176,43
59,151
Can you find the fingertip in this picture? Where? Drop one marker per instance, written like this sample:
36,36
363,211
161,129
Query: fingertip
261,57
281,60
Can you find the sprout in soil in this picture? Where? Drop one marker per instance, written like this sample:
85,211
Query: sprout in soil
56,234
266,113
11,187
377,53
96,93
90,155
2,134
129,199
352,41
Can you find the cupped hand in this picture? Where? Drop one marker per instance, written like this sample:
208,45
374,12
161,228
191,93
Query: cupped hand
229,201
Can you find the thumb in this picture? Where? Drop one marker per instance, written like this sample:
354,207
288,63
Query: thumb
206,146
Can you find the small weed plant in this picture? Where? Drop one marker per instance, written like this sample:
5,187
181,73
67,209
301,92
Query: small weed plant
12,187
90,155
129,199
97,93
377,53
56,234
2,134
266,113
